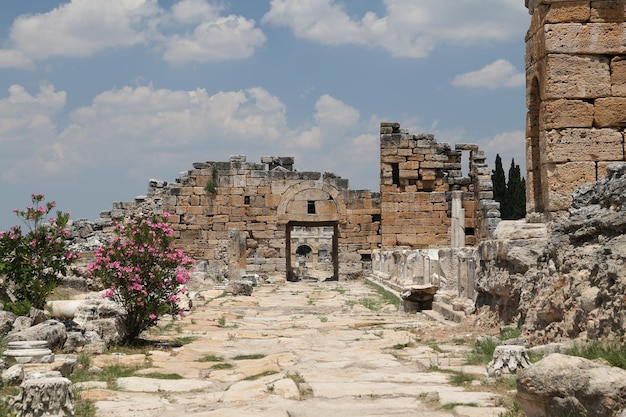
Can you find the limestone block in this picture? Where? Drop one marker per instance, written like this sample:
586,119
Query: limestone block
568,76
618,77
563,179
568,11
609,112
607,11
589,38
564,113
560,385
574,145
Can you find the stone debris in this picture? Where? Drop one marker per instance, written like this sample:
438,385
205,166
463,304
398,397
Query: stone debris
507,359
44,394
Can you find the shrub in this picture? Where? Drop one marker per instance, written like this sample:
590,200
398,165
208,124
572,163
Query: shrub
35,261
143,272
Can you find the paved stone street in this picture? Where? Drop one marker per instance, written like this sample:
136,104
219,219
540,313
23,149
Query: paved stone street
301,350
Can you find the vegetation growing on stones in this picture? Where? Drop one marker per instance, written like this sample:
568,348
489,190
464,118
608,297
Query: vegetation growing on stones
34,261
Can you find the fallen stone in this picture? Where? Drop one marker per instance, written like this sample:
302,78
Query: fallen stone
14,375
240,288
51,331
561,385
6,321
44,395
507,359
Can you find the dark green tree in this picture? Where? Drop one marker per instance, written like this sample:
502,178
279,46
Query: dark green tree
512,194
499,186
516,193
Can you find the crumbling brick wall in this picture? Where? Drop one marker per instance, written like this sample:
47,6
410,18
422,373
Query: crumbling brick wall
419,180
576,97
263,201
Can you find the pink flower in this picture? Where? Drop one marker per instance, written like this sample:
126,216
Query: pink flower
108,293
152,316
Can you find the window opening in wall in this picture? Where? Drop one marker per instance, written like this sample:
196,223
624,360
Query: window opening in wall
469,231
465,163
311,207
395,173
376,218
246,200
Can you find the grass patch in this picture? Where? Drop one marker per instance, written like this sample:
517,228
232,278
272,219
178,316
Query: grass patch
221,322
450,406
323,319
435,346
303,388
211,358
220,366
386,296
460,378
184,340
399,346
158,375
109,374
5,395
507,333
340,290
482,353
261,375
370,304
613,352
247,357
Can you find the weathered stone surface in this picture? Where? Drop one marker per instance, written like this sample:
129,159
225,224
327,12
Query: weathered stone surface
6,321
577,145
240,287
507,359
564,179
14,375
585,38
563,113
51,331
577,77
45,396
561,385
609,112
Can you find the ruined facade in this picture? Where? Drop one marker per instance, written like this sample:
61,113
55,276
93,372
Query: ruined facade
576,96
426,200
268,218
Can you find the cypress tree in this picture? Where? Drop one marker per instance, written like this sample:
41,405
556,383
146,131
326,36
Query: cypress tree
499,185
516,194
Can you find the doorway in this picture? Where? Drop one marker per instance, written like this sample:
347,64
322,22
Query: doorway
319,238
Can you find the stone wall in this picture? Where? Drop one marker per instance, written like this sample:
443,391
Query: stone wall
264,203
426,200
576,96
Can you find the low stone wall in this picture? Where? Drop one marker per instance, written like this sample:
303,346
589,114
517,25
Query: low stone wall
451,269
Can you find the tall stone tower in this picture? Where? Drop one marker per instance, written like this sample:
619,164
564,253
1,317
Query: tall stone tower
576,98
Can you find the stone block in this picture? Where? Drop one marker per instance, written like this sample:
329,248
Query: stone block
568,11
577,145
564,179
609,112
603,11
618,77
574,77
562,113
588,38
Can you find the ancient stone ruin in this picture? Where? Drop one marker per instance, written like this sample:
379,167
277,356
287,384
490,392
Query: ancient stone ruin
268,218
576,97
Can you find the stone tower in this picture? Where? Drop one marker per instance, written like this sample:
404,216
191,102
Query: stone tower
576,98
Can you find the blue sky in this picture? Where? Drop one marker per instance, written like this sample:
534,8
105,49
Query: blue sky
99,96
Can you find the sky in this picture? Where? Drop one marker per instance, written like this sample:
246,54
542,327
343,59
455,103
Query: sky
97,97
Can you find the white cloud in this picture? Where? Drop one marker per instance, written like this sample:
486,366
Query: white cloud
13,58
410,28
510,145
333,118
498,74
225,38
194,11
83,27
191,31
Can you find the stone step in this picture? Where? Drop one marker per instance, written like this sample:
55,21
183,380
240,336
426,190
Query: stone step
448,312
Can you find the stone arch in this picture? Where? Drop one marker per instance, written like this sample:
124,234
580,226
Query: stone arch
534,187
292,206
